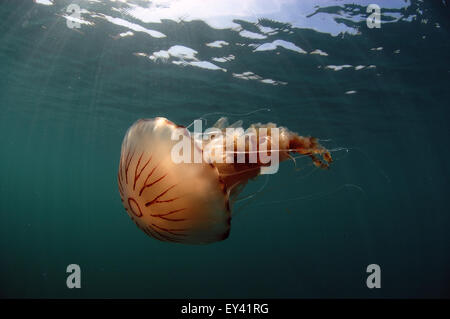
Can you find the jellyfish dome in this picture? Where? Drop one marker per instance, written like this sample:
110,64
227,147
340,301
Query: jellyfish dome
180,188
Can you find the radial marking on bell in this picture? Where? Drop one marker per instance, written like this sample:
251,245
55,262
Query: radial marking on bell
120,188
171,231
120,183
132,200
169,213
151,184
150,233
119,174
163,216
127,165
155,200
165,237
136,175
173,219
146,180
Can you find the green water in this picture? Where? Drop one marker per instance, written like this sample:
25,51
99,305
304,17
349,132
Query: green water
67,97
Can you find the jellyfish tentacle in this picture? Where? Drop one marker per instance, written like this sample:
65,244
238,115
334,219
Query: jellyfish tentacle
221,123
310,146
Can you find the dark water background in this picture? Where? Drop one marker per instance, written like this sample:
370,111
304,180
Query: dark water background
68,96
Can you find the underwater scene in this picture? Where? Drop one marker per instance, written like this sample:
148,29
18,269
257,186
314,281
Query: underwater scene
123,175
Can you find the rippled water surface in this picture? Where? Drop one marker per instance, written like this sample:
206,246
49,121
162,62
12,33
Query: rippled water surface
72,82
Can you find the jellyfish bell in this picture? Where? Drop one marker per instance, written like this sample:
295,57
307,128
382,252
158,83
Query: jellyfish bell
177,202
189,201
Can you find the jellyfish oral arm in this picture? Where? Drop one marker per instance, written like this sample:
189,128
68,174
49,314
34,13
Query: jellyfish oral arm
259,150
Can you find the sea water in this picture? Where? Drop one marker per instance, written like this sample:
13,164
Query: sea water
76,74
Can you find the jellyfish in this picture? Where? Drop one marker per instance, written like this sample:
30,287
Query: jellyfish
190,201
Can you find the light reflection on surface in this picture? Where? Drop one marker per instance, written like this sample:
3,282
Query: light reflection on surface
261,25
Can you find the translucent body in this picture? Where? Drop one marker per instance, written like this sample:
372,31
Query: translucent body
189,203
